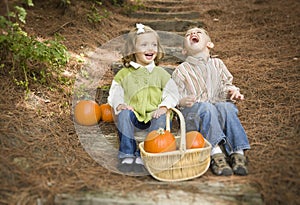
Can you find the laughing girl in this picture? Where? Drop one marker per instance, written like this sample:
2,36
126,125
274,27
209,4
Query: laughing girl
140,94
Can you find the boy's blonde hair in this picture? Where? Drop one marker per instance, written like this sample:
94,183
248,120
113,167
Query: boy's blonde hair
129,50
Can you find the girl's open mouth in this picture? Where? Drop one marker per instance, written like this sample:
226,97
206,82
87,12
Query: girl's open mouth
149,56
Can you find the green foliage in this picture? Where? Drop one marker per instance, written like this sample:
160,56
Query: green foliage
20,14
29,59
28,2
95,15
133,6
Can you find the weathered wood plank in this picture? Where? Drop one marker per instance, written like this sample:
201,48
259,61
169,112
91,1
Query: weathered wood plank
189,193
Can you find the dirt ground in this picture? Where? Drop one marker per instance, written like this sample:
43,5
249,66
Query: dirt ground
258,40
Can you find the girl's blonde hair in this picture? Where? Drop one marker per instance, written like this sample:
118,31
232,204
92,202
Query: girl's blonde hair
129,50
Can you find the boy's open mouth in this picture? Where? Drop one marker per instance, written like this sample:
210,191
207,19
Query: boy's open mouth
194,39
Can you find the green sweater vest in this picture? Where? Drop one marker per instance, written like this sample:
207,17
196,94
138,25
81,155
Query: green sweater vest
143,90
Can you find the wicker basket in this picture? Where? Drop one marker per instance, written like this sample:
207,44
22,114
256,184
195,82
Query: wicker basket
182,164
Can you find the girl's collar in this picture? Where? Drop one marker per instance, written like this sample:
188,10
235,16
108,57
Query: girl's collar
137,65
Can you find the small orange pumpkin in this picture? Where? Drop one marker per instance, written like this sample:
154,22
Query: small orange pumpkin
106,113
160,141
194,139
87,112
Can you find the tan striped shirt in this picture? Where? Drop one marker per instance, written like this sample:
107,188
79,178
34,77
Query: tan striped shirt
208,80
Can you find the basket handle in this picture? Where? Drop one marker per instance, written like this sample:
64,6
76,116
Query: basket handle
182,145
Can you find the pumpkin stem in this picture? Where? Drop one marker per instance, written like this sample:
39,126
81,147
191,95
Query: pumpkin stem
161,131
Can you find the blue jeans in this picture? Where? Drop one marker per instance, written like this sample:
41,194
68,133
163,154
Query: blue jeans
219,124
127,125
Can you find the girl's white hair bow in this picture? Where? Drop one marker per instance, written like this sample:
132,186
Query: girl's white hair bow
140,28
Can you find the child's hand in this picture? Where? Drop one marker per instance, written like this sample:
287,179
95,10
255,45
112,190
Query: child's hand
124,107
235,95
187,101
160,111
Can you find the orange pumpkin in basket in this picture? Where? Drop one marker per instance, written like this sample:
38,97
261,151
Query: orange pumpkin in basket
106,113
194,139
160,141
87,112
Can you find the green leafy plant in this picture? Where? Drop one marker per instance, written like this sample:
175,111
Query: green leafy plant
28,2
27,58
95,15
132,6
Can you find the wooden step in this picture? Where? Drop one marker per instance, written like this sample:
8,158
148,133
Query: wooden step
165,15
173,25
166,3
155,8
185,193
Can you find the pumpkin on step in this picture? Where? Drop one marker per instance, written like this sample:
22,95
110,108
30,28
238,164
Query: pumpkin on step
194,140
87,112
160,141
106,113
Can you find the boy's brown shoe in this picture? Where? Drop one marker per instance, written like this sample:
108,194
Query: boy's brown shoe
219,165
239,164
